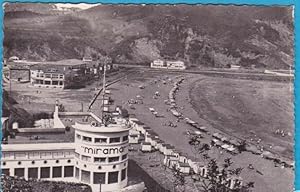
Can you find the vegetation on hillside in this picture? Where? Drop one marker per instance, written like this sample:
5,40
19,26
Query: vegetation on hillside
14,184
212,36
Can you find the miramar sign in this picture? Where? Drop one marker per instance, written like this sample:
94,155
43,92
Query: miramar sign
105,151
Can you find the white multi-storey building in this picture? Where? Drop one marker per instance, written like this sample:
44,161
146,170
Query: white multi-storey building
98,156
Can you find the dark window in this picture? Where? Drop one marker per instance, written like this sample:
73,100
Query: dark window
60,83
76,173
88,139
114,140
100,159
113,177
33,173
99,178
54,82
123,174
47,82
78,136
5,172
69,171
85,176
113,159
19,172
124,156
125,138
100,140
45,172
57,172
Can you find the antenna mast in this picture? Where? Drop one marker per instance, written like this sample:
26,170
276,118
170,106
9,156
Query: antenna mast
104,88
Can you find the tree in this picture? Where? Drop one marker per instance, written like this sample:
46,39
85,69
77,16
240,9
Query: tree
61,108
242,146
219,175
179,179
218,178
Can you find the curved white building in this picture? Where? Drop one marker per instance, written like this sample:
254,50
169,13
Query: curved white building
98,157
101,153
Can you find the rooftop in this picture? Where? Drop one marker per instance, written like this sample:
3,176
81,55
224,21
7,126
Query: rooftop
36,147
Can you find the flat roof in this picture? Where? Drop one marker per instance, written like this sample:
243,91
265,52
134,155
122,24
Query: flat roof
69,62
37,147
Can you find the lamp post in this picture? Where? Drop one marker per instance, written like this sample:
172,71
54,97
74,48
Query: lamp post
100,185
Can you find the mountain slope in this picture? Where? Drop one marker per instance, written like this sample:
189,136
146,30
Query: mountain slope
211,36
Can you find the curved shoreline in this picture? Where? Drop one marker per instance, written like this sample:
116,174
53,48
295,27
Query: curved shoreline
192,88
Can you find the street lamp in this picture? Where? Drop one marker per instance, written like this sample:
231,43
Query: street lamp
100,184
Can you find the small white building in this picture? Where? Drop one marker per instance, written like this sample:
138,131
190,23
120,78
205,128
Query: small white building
176,65
146,147
235,67
158,64
170,161
159,144
161,64
184,168
137,125
168,149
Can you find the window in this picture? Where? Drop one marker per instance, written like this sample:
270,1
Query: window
78,136
113,177
55,76
69,153
68,171
100,140
5,172
113,159
61,76
125,138
87,139
99,178
46,154
100,159
33,155
85,176
20,155
114,140
54,82
45,172
33,173
76,173
57,172
85,158
124,156
123,174
19,172
61,83
7,155
58,154
48,76
47,82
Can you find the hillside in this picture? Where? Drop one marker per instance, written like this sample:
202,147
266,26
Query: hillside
9,109
212,36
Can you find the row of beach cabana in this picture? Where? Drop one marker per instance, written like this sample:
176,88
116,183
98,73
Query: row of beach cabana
173,158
